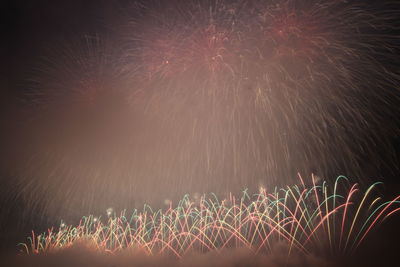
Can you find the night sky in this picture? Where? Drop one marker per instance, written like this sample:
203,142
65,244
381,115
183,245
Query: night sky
58,143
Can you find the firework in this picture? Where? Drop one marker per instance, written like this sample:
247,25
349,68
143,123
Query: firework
267,88
317,219
201,96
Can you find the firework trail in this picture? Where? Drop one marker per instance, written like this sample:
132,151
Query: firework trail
201,96
322,220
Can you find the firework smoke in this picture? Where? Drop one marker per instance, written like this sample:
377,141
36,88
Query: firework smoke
81,255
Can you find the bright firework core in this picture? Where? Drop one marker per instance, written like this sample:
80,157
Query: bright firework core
208,96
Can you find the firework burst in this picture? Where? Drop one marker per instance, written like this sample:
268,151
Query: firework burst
271,88
213,96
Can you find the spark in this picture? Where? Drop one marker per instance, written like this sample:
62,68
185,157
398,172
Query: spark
256,222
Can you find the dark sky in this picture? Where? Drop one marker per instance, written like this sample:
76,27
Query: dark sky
28,26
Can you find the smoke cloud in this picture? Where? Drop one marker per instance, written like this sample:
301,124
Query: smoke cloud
81,255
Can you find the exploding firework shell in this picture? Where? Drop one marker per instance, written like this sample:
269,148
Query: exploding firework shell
214,96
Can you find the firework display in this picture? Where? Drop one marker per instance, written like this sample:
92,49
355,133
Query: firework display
211,96
181,131
328,219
